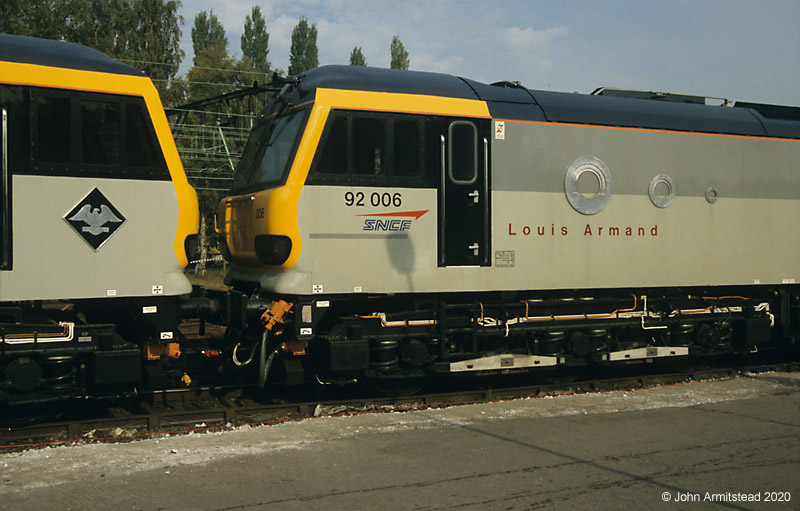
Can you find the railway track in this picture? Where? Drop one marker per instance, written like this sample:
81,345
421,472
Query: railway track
208,410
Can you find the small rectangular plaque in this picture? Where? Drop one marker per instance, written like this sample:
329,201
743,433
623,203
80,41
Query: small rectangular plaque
504,258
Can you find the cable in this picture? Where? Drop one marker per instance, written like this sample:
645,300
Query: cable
236,358
261,73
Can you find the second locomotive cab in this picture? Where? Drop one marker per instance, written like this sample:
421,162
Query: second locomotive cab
415,223
96,216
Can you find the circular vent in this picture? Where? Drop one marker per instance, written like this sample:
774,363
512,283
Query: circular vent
588,185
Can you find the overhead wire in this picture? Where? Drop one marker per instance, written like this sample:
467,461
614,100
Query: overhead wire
229,70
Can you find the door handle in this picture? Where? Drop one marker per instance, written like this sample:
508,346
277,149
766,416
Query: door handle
475,248
475,196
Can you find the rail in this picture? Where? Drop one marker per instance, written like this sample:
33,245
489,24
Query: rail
166,418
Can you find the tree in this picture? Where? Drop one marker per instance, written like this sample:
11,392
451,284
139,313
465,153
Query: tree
208,35
95,23
145,33
208,75
209,146
399,54
255,42
303,54
151,35
254,66
43,18
357,57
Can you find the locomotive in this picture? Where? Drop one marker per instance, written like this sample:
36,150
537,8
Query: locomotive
387,226
97,217
418,223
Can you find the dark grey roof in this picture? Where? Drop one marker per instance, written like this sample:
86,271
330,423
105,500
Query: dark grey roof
386,80
647,113
44,52
507,100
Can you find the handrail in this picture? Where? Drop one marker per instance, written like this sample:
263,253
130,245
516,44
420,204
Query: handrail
5,185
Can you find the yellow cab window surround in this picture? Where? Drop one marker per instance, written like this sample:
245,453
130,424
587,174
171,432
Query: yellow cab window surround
329,99
92,81
281,203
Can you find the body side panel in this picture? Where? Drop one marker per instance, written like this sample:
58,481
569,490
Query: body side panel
52,261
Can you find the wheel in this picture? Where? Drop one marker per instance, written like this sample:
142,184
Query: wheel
399,384
559,375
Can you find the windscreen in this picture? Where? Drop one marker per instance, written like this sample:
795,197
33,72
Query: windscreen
269,151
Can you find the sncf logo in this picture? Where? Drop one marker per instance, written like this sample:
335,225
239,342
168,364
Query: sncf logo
395,225
391,222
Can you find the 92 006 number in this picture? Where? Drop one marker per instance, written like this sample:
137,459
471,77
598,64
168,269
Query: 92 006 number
375,199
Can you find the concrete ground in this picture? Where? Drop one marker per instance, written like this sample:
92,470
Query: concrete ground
708,445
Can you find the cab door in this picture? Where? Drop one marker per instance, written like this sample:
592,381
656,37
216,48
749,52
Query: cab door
464,228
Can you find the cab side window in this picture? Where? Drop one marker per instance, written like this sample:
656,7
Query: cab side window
332,155
369,146
86,134
371,149
407,148
140,141
53,123
100,132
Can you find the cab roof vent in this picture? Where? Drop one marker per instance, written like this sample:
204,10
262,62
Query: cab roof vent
509,84
659,96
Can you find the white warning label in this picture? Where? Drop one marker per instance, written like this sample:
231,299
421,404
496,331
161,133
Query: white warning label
499,130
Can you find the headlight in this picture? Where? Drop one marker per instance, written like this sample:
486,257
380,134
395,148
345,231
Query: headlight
273,249
191,245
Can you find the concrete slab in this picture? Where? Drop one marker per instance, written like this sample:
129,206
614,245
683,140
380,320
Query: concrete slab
696,445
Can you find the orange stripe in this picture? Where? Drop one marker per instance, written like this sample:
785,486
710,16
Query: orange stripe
414,214
647,130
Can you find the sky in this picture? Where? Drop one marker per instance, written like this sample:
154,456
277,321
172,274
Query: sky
737,49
